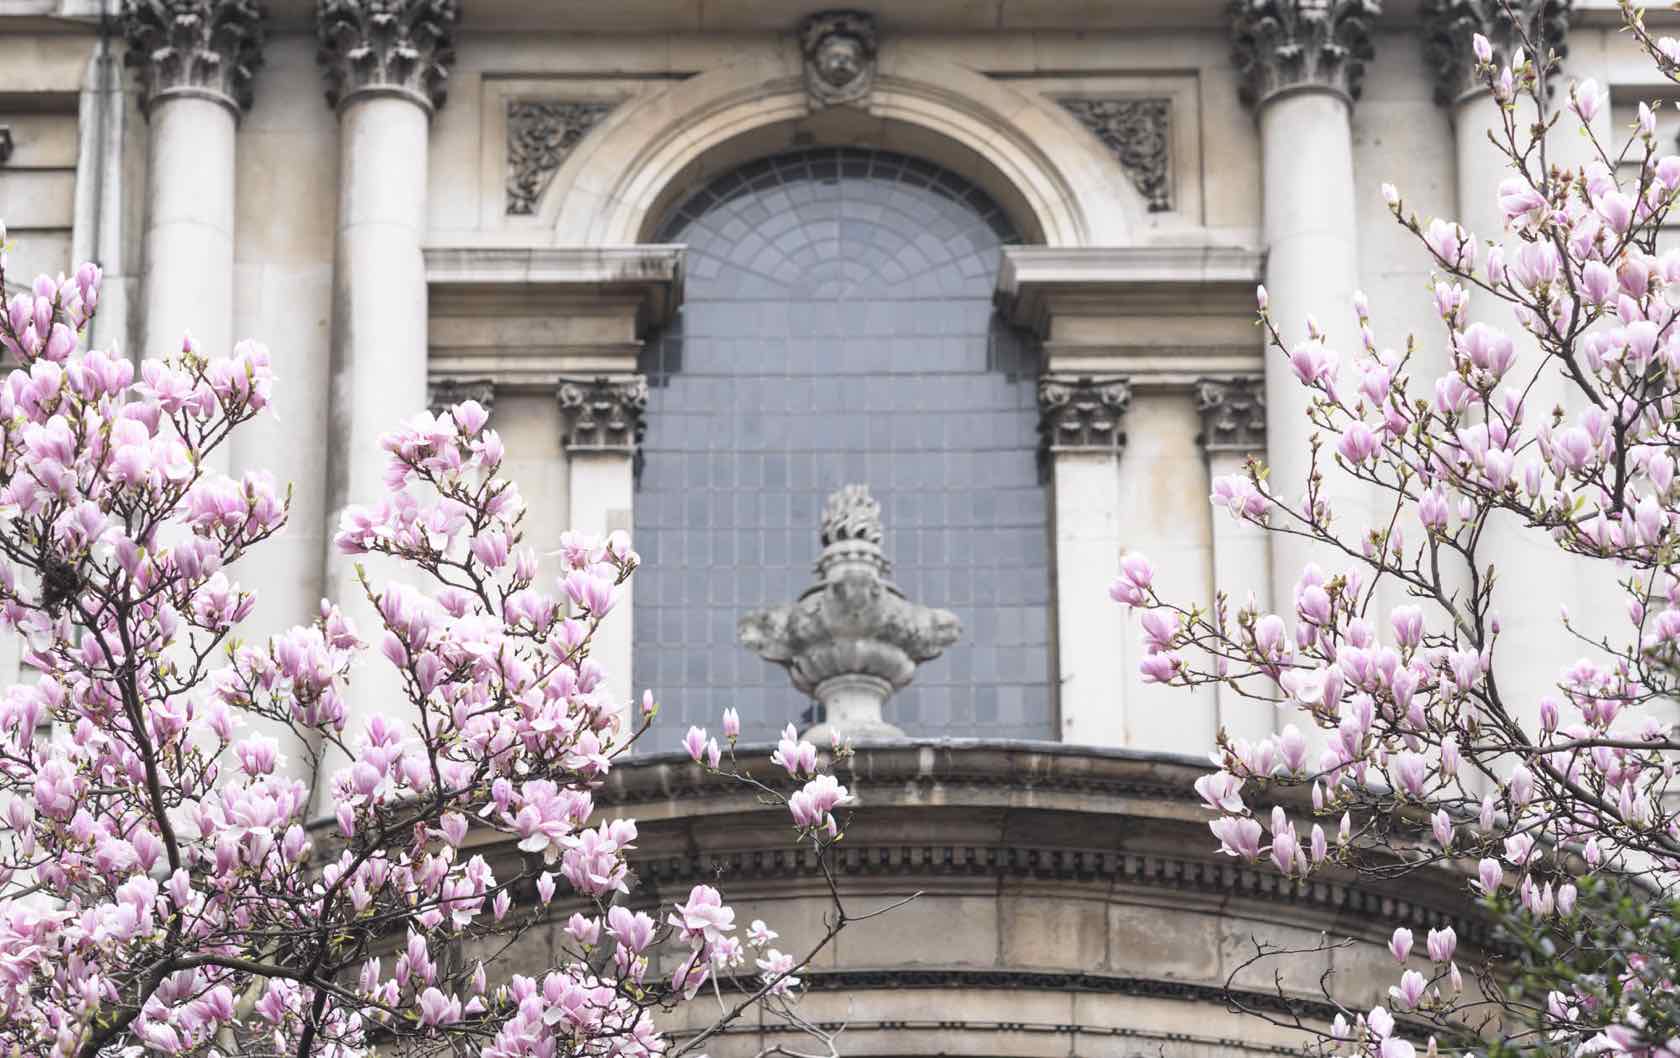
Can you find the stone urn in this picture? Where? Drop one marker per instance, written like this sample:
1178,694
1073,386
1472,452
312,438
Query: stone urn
851,639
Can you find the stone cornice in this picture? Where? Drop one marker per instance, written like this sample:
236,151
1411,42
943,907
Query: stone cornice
1162,316
525,317
1449,26
402,47
1280,45
206,48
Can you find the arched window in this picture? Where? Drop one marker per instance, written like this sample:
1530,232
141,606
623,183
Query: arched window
837,327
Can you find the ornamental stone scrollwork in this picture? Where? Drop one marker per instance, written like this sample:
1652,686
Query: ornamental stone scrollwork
852,639
1449,26
444,393
1082,414
1283,44
1138,133
207,48
606,414
839,48
400,46
540,136
1233,413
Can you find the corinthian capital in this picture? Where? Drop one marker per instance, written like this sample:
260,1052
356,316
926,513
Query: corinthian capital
393,46
604,414
1082,414
207,48
1282,44
1233,413
1449,26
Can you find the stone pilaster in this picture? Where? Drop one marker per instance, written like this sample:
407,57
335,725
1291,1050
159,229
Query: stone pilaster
401,47
1449,26
210,49
1233,413
1279,45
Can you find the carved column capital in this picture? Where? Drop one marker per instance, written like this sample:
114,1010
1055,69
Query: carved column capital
403,47
206,48
604,414
1278,45
1233,414
1138,133
444,393
1082,414
1449,26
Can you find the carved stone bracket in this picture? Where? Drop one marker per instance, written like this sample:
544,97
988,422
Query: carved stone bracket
1138,133
839,49
208,48
402,46
540,136
1283,44
1449,26
1082,414
443,393
604,414
1233,413
851,640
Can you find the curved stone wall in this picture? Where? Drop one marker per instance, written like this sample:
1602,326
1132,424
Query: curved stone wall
1066,901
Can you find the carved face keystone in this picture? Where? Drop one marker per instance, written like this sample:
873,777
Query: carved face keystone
840,60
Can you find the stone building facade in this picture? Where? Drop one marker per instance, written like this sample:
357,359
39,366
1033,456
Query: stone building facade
709,260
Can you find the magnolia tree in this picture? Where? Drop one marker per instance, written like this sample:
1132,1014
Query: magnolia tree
164,887
1559,417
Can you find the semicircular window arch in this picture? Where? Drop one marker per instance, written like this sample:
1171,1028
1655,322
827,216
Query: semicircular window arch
836,328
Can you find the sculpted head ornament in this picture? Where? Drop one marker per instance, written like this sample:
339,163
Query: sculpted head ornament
839,49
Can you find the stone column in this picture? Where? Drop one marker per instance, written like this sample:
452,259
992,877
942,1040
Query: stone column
1534,576
386,67
1301,63
195,61
603,421
1233,431
1081,426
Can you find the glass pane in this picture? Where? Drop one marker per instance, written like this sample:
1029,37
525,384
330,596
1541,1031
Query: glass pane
837,326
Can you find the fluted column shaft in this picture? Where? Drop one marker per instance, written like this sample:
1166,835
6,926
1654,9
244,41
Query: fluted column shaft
194,60
385,63
1533,576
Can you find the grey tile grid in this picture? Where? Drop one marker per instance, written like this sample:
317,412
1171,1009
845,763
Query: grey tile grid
837,327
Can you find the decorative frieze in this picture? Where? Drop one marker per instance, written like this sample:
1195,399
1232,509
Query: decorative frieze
403,46
1449,26
444,393
1082,414
1138,133
207,48
1233,413
1283,44
540,136
839,48
606,414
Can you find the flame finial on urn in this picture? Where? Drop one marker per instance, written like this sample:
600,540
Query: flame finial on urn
851,639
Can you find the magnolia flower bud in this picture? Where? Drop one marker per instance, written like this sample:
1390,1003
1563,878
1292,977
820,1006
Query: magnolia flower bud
1482,47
